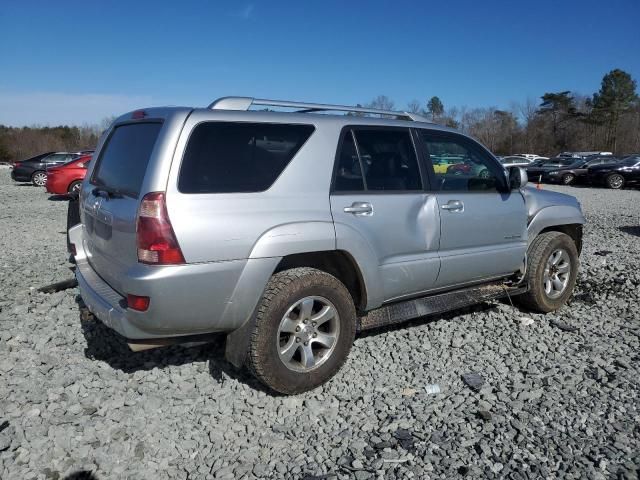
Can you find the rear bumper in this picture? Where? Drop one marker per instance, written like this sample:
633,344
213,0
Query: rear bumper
185,299
20,176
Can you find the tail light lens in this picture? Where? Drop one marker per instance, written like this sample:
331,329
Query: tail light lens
16,165
157,244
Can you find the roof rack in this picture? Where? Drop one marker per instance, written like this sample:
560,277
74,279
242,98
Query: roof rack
244,103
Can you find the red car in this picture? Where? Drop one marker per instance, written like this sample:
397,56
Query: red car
67,178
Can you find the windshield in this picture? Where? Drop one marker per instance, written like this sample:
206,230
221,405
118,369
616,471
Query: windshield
577,164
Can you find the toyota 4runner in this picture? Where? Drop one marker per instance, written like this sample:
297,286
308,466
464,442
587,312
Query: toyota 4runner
292,231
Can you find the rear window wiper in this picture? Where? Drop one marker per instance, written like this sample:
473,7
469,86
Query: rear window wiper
110,192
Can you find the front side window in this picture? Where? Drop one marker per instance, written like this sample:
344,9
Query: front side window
462,166
231,157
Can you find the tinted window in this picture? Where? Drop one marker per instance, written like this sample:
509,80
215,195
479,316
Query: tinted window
388,159
238,157
348,174
124,158
468,167
58,158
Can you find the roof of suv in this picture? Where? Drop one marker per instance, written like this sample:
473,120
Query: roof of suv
240,107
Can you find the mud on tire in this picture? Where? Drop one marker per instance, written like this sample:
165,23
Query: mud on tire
292,299
548,255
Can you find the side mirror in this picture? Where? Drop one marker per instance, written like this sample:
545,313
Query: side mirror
517,178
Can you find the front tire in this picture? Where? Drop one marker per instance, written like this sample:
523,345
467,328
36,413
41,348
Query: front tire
304,329
39,179
551,272
615,181
568,179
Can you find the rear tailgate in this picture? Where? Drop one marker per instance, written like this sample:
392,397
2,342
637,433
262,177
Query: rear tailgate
128,165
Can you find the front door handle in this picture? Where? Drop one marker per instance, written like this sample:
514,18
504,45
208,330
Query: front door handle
360,208
453,206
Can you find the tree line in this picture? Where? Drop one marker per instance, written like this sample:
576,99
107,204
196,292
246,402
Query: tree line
20,143
607,120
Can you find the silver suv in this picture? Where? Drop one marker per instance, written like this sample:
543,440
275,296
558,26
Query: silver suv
292,231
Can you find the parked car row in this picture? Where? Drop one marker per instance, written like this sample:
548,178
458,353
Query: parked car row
59,172
569,168
598,169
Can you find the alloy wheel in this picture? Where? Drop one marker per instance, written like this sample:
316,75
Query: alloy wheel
557,273
616,181
39,179
308,333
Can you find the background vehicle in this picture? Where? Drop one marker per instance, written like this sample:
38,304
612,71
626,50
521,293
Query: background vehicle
67,178
332,224
577,171
442,163
470,168
530,156
616,175
35,169
515,161
538,171
582,154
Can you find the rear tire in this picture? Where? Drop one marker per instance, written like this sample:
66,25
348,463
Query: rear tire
568,179
304,330
615,181
551,272
39,178
75,187
73,217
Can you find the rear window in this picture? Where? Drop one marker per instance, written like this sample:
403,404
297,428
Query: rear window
124,158
224,157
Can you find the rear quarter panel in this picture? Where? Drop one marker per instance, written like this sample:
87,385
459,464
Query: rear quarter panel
292,216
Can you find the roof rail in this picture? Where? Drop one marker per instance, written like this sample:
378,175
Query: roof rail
244,103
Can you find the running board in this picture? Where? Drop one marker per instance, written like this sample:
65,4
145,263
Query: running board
434,304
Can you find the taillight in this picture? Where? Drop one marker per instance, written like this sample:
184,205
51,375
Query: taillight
16,165
138,114
136,302
157,244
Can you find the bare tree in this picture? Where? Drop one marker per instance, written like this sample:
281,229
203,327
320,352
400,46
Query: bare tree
381,102
414,106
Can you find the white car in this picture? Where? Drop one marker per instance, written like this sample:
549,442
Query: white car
530,156
514,161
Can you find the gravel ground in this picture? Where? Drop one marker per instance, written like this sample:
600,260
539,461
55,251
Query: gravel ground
554,404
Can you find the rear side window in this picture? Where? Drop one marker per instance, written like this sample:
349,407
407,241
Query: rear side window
349,174
386,157
225,157
125,156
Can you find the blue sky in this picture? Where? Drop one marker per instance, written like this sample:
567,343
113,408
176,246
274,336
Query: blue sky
77,62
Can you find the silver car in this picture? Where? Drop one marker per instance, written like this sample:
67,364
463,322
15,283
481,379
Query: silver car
292,231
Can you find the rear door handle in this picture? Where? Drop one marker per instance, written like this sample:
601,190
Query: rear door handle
453,206
360,208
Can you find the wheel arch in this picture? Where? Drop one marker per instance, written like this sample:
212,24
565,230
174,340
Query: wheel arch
338,263
573,230
565,219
